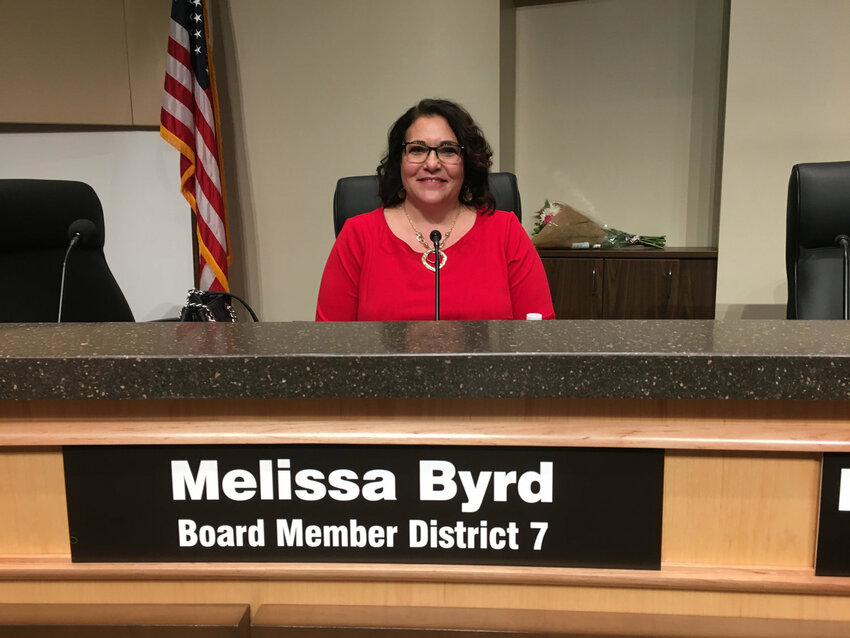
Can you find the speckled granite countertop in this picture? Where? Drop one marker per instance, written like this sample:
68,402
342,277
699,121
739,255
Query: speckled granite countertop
619,359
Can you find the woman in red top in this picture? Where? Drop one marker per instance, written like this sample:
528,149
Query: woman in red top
434,177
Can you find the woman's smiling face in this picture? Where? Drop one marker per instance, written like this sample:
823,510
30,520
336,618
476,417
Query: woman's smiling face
431,184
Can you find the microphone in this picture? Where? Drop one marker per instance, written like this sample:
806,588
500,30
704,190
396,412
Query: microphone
81,232
843,241
435,238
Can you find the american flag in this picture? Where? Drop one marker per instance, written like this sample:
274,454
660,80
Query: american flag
189,122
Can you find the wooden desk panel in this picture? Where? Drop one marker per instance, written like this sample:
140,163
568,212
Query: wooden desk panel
39,620
279,621
34,518
741,488
719,509
744,509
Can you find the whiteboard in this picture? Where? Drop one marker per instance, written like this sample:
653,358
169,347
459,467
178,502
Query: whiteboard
136,175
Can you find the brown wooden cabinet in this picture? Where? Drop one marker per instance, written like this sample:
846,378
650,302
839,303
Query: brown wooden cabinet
632,283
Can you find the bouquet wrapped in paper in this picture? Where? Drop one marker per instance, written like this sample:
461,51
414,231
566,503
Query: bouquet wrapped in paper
561,226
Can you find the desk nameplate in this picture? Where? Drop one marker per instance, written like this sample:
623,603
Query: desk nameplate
833,544
565,507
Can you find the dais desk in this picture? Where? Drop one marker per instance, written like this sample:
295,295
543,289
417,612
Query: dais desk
743,409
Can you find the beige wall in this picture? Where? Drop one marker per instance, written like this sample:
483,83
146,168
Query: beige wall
312,89
787,102
82,62
617,113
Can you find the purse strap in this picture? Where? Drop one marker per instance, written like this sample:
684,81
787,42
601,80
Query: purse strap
210,294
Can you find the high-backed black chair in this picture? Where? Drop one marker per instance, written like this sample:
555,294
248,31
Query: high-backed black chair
34,220
818,211
357,195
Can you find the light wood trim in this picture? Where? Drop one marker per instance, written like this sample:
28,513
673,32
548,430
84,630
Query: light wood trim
122,614
271,620
779,426
671,576
33,510
740,508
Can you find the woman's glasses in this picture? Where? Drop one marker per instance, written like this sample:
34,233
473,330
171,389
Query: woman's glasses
447,152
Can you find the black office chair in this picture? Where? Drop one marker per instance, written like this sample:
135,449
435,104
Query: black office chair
818,211
34,220
357,195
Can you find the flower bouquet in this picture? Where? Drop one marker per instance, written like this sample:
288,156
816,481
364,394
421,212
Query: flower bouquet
621,239
544,216
560,226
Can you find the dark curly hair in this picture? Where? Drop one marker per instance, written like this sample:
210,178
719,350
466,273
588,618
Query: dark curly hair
475,190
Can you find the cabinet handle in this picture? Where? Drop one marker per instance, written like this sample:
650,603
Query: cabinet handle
593,283
669,283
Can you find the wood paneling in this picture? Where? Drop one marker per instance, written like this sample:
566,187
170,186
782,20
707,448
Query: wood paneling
720,509
277,621
740,503
740,509
33,518
147,25
83,62
123,621
64,62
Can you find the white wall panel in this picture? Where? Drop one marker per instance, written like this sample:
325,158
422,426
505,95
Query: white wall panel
136,176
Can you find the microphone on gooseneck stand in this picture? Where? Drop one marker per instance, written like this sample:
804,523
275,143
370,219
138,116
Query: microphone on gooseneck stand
79,232
436,237
844,242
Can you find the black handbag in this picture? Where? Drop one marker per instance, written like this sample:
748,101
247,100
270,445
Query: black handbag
211,305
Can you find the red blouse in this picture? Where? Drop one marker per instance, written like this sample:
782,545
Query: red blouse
492,272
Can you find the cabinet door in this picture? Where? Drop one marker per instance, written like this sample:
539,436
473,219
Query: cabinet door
641,288
576,286
696,289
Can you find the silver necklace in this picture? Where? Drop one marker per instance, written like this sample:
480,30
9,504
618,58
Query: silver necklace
429,250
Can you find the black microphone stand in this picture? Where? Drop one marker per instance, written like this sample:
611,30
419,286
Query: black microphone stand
74,241
844,242
79,232
436,237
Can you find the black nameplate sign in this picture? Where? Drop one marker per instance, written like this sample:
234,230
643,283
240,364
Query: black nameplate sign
833,553
573,507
